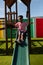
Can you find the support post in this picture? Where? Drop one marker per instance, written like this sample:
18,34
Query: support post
6,29
16,11
11,30
28,28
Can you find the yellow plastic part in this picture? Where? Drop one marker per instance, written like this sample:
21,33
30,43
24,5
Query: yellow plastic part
1,31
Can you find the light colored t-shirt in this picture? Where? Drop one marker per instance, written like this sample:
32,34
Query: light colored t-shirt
21,26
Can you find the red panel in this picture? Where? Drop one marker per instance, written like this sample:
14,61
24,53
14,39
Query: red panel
39,27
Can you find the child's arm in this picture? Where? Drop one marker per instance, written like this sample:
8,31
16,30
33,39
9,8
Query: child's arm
11,24
27,23
16,25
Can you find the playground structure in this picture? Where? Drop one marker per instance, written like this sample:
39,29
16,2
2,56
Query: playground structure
8,18
8,22
1,26
35,27
9,14
32,40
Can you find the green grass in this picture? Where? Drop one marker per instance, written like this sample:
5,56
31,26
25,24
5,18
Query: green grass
36,38
5,60
35,59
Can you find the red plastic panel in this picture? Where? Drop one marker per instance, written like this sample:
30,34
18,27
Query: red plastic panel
39,27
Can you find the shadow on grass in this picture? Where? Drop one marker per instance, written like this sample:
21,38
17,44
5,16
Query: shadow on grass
37,50
4,42
36,47
1,43
34,50
3,52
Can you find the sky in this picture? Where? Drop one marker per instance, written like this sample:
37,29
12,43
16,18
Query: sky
36,8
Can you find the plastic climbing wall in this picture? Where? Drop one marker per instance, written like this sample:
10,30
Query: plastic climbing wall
39,27
2,32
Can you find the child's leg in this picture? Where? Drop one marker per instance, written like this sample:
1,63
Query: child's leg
18,36
22,36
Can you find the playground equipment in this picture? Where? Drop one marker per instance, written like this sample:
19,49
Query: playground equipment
8,19
9,3
2,32
21,54
23,49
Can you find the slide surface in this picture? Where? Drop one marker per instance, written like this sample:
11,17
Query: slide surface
20,54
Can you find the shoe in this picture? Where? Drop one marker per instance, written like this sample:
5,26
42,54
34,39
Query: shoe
17,41
22,40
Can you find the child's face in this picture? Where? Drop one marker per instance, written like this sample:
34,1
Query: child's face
20,19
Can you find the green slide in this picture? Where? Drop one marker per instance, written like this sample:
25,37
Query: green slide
21,54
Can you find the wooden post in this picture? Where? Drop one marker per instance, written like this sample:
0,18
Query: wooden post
14,17
11,30
28,28
16,11
9,17
6,28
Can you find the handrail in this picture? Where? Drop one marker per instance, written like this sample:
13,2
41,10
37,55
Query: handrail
11,13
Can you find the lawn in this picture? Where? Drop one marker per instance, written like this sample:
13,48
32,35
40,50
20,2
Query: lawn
36,57
5,60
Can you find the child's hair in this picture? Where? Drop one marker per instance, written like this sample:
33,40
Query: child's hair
21,16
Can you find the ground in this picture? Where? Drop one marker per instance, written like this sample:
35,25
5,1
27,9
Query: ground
36,56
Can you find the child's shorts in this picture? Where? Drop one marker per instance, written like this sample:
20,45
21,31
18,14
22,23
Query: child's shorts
21,32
